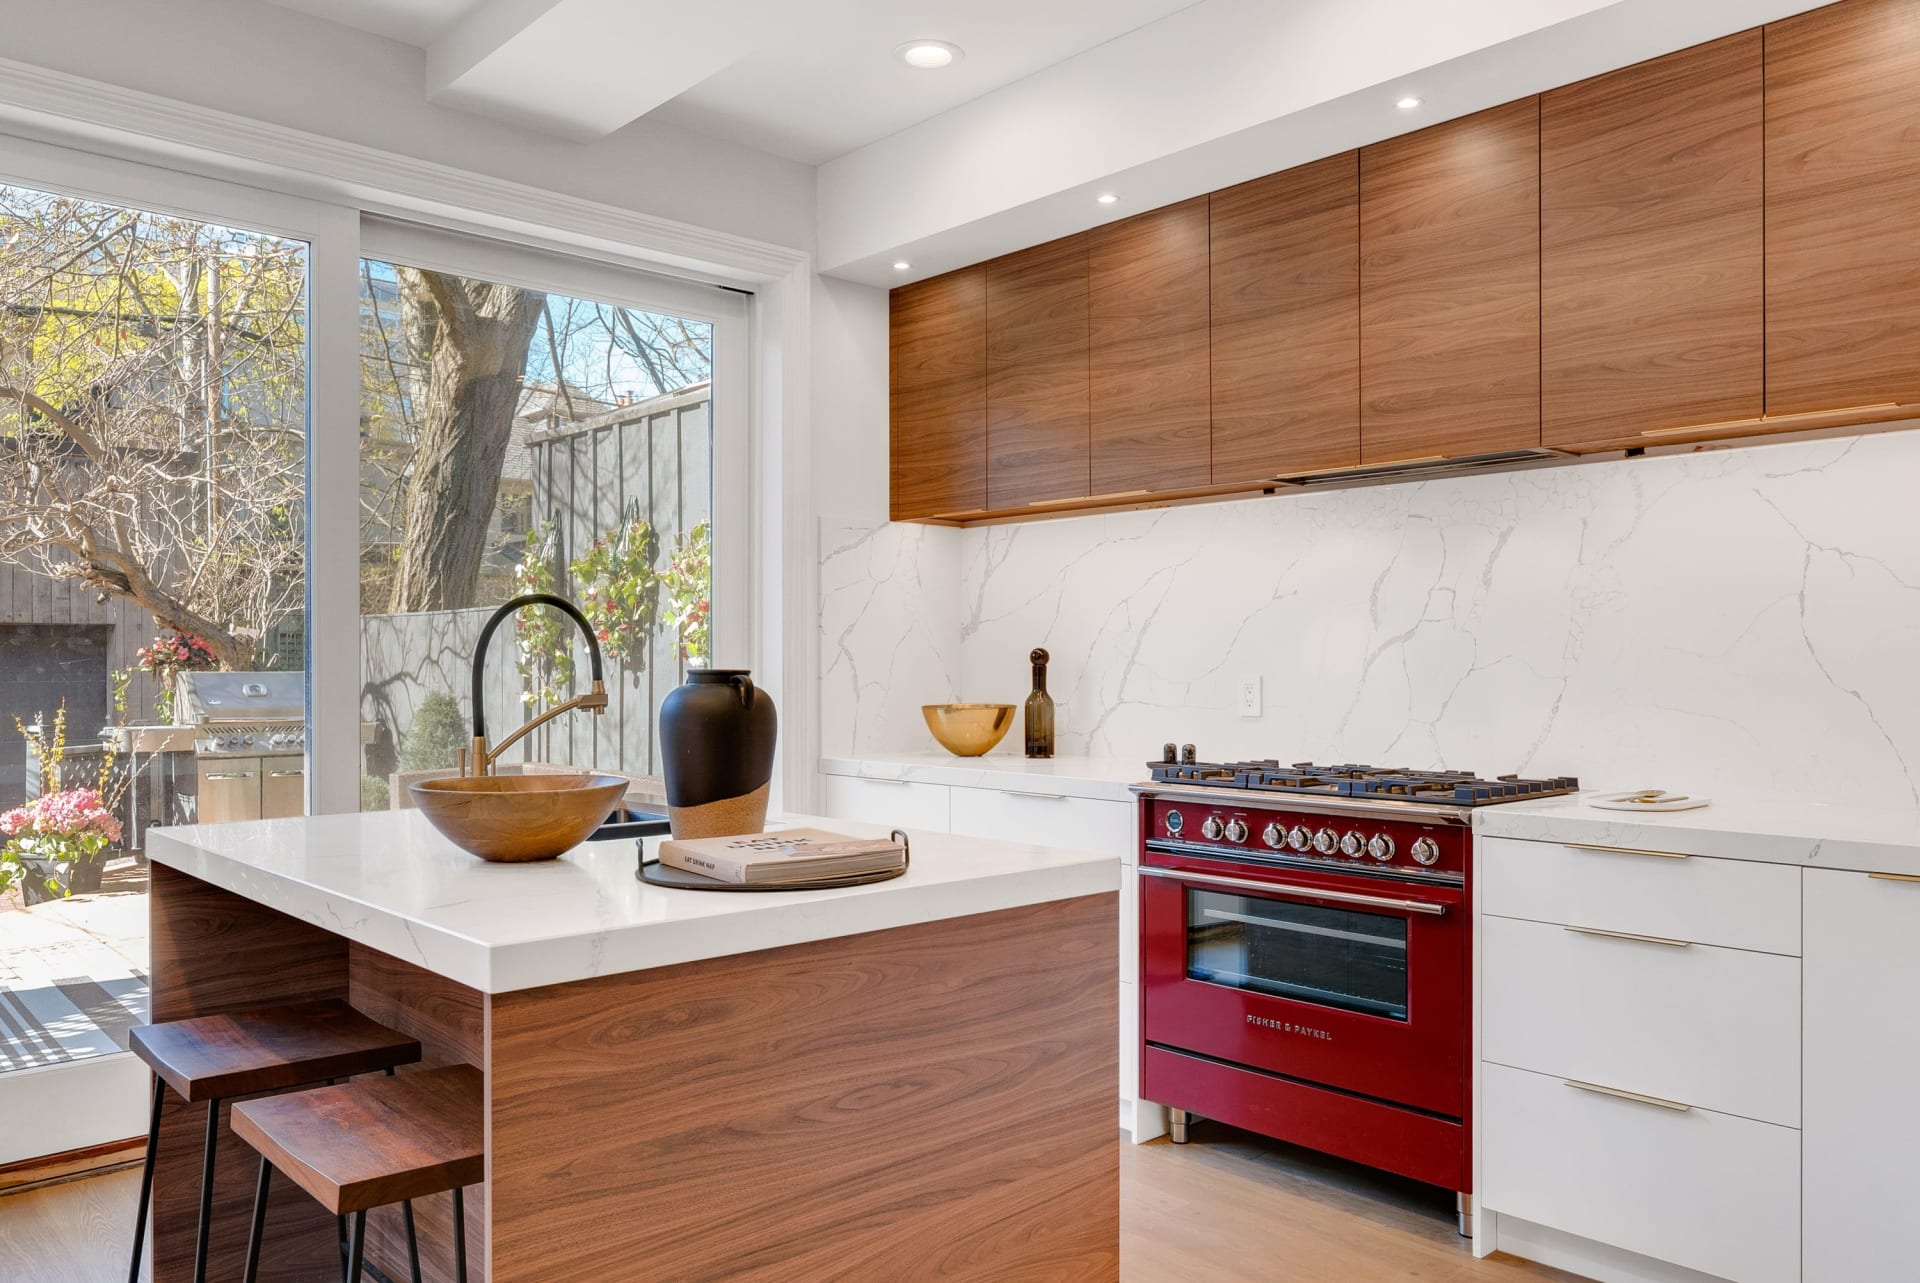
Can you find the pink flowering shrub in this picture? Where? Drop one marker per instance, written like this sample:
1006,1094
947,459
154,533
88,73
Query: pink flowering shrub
68,827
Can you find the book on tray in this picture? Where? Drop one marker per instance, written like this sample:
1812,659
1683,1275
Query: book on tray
789,855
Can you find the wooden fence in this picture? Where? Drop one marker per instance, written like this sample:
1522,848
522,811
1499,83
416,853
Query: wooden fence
653,457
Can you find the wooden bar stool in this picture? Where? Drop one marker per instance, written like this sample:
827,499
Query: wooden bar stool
369,1144
215,1058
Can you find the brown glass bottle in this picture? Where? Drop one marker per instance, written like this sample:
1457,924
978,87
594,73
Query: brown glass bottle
1039,709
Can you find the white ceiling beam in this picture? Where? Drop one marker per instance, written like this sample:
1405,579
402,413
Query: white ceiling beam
581,69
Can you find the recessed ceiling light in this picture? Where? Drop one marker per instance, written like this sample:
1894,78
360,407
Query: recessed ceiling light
1408,103
929,55
1106,198
902,265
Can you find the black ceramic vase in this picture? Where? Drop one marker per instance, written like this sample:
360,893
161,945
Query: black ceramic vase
717,732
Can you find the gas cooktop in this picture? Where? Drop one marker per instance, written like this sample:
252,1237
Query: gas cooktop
1377,783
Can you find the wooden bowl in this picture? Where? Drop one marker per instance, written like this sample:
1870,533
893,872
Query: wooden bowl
968,730
514,818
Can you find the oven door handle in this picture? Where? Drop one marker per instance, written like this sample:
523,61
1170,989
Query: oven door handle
1427,907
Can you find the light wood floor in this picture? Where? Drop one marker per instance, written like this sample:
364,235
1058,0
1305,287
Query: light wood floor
1229,1208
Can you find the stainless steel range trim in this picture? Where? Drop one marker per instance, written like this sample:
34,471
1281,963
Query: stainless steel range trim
1427,907
1312,804
1344,867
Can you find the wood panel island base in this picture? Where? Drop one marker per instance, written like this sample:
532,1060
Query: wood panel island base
914,1080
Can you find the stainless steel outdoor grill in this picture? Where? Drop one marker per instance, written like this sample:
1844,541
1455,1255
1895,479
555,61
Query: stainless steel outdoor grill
251,742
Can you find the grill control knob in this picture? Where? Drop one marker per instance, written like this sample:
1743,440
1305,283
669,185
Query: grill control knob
1381,847
1213,828
1326,841
1175,822
1273,836
1426,851
1236,830
1299,837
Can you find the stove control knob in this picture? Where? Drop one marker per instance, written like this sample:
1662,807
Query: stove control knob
1273,836
1299,837
1213,828
1175,822
1353,844
1236,830
1326,841
1381,847
1426,851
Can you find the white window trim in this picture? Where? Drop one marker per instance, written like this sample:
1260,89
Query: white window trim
96,120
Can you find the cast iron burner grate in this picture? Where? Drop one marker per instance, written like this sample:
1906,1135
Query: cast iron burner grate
1382,783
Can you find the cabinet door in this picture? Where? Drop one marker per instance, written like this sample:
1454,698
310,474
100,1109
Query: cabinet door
1286,322
1861,1074
1651,227
1450,288
938,391
1147,335
1843,207
1037,445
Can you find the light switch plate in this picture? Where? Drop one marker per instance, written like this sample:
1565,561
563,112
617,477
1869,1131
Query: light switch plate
1249,695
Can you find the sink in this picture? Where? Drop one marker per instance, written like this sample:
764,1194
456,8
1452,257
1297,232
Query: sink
515,818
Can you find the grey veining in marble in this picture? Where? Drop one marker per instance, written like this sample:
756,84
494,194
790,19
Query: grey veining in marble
1737,622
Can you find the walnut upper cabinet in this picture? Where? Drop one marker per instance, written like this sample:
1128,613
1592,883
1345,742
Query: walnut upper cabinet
1286,322
1651,227
1037,386
1147,350
1450,288
937,384
1843,207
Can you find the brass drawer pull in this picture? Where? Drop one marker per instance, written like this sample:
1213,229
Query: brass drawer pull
1895,877
1634,1096
1630,935
1627,850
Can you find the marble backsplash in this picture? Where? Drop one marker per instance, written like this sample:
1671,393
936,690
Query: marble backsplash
1737,622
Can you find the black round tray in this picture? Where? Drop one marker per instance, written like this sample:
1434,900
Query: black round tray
661,875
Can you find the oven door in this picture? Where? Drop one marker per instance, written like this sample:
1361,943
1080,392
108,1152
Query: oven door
1353,983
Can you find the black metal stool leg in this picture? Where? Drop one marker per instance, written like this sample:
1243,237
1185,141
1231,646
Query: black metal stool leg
259,1222
356,1247
413,1241
146,1180
206,1192
459,1239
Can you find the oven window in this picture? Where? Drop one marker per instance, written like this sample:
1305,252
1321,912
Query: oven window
1339,958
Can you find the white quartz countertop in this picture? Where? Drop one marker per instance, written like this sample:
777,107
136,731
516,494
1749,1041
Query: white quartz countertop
1104,778
388,880
1805,833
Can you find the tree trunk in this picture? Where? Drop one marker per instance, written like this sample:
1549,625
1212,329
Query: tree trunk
479,334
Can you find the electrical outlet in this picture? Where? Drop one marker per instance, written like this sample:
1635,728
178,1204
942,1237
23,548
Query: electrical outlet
1249,695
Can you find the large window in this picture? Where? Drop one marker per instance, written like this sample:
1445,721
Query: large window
153,483
517,440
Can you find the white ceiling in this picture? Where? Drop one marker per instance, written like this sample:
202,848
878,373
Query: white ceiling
805,79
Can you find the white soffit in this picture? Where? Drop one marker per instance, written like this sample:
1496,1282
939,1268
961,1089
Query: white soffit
1212,95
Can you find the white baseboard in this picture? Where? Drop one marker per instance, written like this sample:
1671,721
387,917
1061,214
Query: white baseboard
1143,1120
1497,1232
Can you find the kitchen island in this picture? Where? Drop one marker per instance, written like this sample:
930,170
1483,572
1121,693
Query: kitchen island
913,1079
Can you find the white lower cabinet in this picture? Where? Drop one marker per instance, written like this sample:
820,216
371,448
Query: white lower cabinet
1862,1077
1715,1028
909,804
1702,1190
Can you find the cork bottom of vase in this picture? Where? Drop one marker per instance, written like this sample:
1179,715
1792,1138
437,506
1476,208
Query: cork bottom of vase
729,817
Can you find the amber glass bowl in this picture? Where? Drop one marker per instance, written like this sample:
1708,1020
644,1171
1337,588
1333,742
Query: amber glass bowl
511,818
968,730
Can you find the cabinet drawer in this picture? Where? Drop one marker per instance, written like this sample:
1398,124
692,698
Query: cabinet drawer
1698,1189
1129,924
1711,1027
1129,1042
906,804
1077,823
1735,903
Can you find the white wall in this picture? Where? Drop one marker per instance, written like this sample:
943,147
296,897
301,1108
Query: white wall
266,63
1730,622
